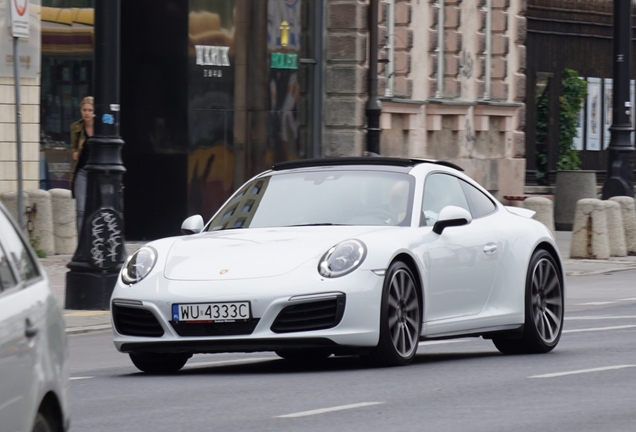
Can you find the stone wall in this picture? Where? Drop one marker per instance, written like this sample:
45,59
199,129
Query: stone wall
30,110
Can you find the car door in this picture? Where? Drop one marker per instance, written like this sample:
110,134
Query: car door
18,331
462,260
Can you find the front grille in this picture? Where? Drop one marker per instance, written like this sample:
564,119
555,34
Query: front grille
315,315
215,329
136,322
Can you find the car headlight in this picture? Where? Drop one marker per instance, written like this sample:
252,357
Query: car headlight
139,265
342,259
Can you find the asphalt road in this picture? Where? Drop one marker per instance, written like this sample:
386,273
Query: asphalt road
586,384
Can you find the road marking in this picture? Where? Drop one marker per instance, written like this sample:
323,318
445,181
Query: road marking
582,371
628,299
440,342
599,317
599,329
227,362
80,378
327,410
600,303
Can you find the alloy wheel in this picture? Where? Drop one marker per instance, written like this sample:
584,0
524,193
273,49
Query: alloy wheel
547,301
403,313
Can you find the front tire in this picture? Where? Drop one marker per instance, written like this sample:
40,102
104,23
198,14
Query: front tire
544,309
400,318
159,363
42,424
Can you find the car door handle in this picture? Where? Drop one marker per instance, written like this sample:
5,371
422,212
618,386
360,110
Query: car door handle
490,248
30,330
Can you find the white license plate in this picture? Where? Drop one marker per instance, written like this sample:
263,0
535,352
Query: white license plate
211,312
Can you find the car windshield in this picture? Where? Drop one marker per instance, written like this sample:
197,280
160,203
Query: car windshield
321,197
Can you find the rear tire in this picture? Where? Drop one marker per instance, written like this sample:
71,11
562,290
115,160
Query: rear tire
544,309
400,318
159,363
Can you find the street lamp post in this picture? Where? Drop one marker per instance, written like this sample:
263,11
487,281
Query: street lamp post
100,252
620,169
374,107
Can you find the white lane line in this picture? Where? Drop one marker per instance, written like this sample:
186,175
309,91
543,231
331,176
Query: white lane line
599,317
599,329
628,299
582,371
226,362
79,378
599,303
440,342
327,410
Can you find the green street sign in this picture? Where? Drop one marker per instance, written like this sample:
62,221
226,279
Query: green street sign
284,61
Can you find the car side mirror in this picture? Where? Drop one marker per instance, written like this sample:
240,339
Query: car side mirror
192,225
451,216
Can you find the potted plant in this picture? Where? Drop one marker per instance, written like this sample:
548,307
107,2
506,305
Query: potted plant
572,183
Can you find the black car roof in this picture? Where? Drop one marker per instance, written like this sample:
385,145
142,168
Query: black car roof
363,160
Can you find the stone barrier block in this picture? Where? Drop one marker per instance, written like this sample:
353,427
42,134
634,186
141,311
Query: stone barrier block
589,232
615,230
543,208
10,201
42,218
64,221
628,211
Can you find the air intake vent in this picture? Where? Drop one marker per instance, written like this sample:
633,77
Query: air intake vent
214,329
136,322
315,315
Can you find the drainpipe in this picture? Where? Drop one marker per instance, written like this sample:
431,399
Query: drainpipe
488,49
440,50
390,66
374,107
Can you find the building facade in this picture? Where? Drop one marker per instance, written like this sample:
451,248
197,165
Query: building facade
215,91
453,80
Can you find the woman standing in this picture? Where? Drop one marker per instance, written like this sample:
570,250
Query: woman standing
81,131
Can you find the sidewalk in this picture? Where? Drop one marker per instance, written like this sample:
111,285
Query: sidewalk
86,321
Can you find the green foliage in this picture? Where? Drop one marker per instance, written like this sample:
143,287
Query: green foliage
574,91
570,103
35,244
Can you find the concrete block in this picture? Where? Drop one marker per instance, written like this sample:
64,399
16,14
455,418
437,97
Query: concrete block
628,212
615,230
571,186
64,221
543,208
41,217
10,201
589,233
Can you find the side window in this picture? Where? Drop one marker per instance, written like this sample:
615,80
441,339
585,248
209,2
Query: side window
480,204
7,278
441,190
16,250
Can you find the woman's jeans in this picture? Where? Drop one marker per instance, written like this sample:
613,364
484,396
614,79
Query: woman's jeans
79,189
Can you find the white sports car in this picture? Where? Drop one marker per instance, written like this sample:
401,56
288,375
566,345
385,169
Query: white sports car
343,256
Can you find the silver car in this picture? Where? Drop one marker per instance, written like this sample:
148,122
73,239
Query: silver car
33,348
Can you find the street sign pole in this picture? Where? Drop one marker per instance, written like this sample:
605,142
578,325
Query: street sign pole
19,29
374,106
18,131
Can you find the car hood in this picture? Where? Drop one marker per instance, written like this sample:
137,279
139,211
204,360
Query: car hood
253,253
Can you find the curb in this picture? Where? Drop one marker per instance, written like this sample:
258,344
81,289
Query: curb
88,329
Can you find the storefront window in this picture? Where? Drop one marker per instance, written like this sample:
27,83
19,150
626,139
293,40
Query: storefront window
67,70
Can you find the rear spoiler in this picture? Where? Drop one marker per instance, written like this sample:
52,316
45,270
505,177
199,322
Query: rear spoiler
520,211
